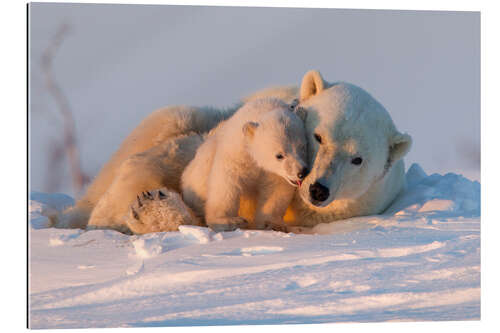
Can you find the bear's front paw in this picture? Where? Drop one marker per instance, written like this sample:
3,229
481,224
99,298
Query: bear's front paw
158,211
227,223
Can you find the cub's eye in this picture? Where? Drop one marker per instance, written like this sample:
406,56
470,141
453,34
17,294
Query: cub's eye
318,137
357,161
279,156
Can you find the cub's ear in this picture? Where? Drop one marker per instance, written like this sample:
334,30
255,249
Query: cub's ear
312,84
399,145
249,129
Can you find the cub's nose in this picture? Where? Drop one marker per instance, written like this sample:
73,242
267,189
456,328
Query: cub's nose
319,192
303,173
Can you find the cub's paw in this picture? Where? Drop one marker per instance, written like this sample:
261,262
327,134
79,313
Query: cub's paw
299,230
271,225
227,224
283,227
279,227
157,211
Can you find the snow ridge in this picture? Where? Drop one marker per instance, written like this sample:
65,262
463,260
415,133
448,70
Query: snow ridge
420,260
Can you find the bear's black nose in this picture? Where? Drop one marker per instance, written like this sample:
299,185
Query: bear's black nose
319,192
303,173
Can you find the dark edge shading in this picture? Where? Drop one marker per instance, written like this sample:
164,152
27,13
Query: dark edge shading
27,164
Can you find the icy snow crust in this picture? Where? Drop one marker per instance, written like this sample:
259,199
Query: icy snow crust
418,261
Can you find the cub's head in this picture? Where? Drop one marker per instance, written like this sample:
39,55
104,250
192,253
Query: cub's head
277,143
352,141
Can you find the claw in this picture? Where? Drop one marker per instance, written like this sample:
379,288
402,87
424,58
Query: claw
161,194
139,201
134,213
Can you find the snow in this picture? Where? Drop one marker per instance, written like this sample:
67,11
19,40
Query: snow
420,260
42,206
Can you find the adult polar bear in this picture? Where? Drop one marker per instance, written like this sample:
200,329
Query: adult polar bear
354,148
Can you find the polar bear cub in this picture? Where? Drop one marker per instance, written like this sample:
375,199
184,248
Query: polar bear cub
259,153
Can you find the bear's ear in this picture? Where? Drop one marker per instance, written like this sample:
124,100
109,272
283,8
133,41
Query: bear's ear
249,129
312,84
399,145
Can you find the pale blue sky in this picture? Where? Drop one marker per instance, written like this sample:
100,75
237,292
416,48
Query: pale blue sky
121,62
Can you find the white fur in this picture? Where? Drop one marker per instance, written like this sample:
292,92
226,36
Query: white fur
239,158
157,167
132,168
351,124
350,120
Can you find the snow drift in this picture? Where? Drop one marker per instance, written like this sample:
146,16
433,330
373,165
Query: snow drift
420,260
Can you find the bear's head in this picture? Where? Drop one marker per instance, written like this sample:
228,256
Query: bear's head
277,142
352,141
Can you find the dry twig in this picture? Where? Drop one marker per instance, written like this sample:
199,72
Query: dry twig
68,142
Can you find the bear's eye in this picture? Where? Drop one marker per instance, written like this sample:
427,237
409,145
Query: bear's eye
279,156
357,161
318,137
